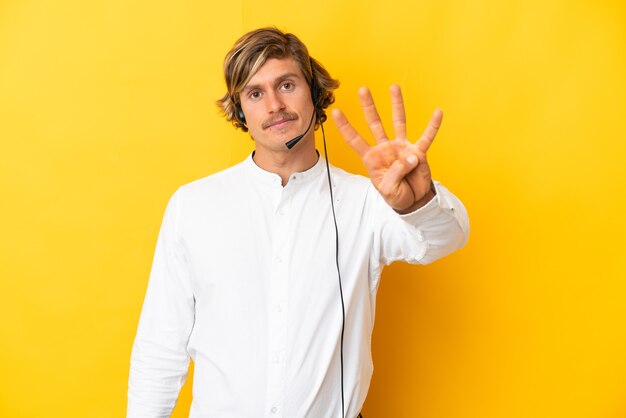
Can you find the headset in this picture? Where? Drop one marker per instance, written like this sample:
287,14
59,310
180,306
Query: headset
316,96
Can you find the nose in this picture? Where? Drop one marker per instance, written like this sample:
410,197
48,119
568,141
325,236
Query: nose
274,102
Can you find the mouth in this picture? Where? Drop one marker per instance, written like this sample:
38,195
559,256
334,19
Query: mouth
281,122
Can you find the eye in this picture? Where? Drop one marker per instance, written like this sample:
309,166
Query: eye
287,85
254,95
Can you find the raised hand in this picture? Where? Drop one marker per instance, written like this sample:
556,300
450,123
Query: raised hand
397,168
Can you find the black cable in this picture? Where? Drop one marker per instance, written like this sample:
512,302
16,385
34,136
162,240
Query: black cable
343,308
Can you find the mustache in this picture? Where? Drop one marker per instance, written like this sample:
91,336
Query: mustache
279,117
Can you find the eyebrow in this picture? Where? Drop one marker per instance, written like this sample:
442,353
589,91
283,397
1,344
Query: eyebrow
277,81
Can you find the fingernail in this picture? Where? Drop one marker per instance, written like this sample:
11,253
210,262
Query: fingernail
412,159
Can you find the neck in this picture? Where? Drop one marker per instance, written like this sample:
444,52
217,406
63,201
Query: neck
285,162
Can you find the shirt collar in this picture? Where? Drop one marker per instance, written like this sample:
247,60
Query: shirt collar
269,177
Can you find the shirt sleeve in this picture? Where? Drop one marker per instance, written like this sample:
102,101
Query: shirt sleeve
159,360
431,232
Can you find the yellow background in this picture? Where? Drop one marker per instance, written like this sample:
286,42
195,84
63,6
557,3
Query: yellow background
106,106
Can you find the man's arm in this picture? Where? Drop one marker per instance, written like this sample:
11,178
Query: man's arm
159,360
433,231
432,222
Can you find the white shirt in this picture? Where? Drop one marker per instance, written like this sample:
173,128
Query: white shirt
244,282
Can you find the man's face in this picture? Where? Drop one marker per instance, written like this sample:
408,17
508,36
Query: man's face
277,104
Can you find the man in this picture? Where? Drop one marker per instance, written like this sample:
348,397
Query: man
268,284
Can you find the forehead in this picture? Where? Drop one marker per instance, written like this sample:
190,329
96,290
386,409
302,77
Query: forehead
275,69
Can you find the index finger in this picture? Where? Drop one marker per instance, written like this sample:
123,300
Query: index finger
350,134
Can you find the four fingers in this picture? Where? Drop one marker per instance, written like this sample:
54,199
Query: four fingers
375,124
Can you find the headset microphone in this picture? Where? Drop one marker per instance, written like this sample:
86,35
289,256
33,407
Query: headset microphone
292,143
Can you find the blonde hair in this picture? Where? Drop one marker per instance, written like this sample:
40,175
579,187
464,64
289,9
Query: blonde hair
251,52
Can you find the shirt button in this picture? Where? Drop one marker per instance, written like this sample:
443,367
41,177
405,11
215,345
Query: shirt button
274,410
281,212
279,308
279,259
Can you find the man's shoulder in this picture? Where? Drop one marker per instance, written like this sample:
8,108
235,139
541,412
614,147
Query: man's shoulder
227,177
211,190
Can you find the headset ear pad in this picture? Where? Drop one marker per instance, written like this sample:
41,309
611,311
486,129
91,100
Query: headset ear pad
315,94
240,115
